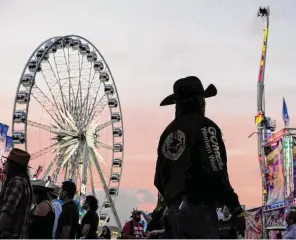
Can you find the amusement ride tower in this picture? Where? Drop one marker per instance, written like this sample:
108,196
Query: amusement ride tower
264,124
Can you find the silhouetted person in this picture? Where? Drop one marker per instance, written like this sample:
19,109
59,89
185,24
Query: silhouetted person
68,221
16,196
192,166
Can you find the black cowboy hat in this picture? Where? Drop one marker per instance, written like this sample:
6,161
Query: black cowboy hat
187,89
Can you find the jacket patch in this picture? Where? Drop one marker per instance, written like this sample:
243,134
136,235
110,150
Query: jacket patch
174,145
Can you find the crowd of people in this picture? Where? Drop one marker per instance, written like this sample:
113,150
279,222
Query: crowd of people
191,178
31,209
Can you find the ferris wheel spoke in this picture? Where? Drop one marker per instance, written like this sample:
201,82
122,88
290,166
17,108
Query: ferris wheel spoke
103,145
101,159
42,126
78,100
102,126
92,180
48,169
88,98
69,152
52,129
102,179
51,83
63,156
58,76
97,109
74,161
42,151
95,89
44,101
85,163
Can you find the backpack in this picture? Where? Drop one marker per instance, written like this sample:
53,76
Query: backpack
131,223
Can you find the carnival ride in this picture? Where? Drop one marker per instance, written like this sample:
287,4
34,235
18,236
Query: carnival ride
277,157
81,90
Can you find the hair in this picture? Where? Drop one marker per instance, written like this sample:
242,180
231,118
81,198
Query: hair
42,194
70,188
107,235
92,203
14,170
197,105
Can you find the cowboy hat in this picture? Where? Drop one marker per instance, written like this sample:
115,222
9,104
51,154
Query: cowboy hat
187,89
40,184
18,156
55,189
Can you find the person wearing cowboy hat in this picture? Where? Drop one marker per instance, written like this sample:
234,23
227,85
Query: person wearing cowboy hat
191,169
57,207
43,217
16,196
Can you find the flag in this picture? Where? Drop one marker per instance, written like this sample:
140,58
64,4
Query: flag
8,143
285,114
4,132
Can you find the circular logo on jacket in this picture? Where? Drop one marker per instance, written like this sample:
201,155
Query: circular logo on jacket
174,145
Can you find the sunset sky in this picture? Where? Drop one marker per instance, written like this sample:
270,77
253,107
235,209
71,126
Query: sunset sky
148,45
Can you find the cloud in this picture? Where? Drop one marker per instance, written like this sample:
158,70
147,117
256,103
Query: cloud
128,199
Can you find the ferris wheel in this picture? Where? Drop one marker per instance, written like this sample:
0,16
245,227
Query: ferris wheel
68,83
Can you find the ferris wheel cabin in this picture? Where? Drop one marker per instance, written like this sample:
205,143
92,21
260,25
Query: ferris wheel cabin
115,177
109,89
98,66
19,116
107,205
34,66
104,77
115,117
40,55
118,147
27,80
117,132
116,162
113,192
92,57
113,103
51,47
22,97
18,137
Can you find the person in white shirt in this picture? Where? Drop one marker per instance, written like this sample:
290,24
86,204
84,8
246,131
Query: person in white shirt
57,207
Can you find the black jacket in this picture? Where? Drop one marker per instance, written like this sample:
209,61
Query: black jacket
192,162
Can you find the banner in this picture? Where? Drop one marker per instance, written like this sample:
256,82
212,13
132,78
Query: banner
1,127
4,132
8,143
274,173
1,162
275,218
294,165
253,223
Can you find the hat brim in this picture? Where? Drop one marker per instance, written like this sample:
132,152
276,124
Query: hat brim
211,91
15,162
51,190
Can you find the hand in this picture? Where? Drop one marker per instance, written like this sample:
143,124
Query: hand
240,224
